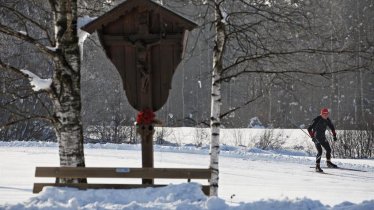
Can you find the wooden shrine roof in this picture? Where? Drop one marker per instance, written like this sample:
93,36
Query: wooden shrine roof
129,5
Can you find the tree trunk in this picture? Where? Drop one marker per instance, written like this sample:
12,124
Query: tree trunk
66,85
215,121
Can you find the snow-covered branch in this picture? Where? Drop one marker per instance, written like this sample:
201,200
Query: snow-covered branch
36,82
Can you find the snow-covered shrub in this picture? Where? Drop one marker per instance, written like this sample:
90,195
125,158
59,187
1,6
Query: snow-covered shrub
110,133
270,140
28,130
237,137
162,134
354,143
201,136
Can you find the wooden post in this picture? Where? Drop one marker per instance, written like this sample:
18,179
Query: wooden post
146,133
146,53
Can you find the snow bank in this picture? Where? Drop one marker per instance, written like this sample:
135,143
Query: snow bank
182,196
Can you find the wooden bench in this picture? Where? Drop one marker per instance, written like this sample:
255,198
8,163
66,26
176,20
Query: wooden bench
95,172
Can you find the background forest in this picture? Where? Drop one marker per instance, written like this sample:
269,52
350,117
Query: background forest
343,30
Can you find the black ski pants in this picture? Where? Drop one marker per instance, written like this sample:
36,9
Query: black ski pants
325,144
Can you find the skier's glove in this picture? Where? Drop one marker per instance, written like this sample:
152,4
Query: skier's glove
311,133
335,139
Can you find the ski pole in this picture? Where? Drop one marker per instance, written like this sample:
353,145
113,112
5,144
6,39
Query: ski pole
298,127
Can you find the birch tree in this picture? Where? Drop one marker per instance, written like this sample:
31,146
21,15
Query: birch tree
216,101
65,88
62,50
275,41
222,35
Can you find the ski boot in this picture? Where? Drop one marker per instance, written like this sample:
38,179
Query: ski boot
318,168
330,164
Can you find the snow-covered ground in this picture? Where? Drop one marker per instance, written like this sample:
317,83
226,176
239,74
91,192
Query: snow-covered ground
249,179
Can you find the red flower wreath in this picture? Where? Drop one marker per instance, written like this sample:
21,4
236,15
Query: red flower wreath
145,117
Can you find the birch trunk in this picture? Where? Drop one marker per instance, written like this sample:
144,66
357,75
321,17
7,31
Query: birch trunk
215,121
66,86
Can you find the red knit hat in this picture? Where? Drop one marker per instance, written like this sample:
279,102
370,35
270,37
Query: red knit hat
324,111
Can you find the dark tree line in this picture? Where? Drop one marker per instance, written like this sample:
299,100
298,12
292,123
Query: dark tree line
268,80
293,60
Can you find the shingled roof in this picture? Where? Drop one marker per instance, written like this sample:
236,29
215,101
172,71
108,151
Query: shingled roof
127,6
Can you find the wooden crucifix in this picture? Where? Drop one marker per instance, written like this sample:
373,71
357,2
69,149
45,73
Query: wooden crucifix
145,41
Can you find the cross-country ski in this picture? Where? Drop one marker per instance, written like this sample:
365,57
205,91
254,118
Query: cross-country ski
341,168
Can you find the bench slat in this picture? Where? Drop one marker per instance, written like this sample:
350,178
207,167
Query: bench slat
145,173
38,187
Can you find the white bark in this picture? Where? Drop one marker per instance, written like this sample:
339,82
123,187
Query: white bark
215,121
66,85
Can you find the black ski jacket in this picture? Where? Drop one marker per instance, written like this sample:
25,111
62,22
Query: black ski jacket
318,128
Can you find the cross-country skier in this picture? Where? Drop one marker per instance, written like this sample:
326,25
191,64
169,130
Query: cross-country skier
317,131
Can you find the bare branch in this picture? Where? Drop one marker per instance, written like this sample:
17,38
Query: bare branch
223,115
25,37
23,17
13,69
25,119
